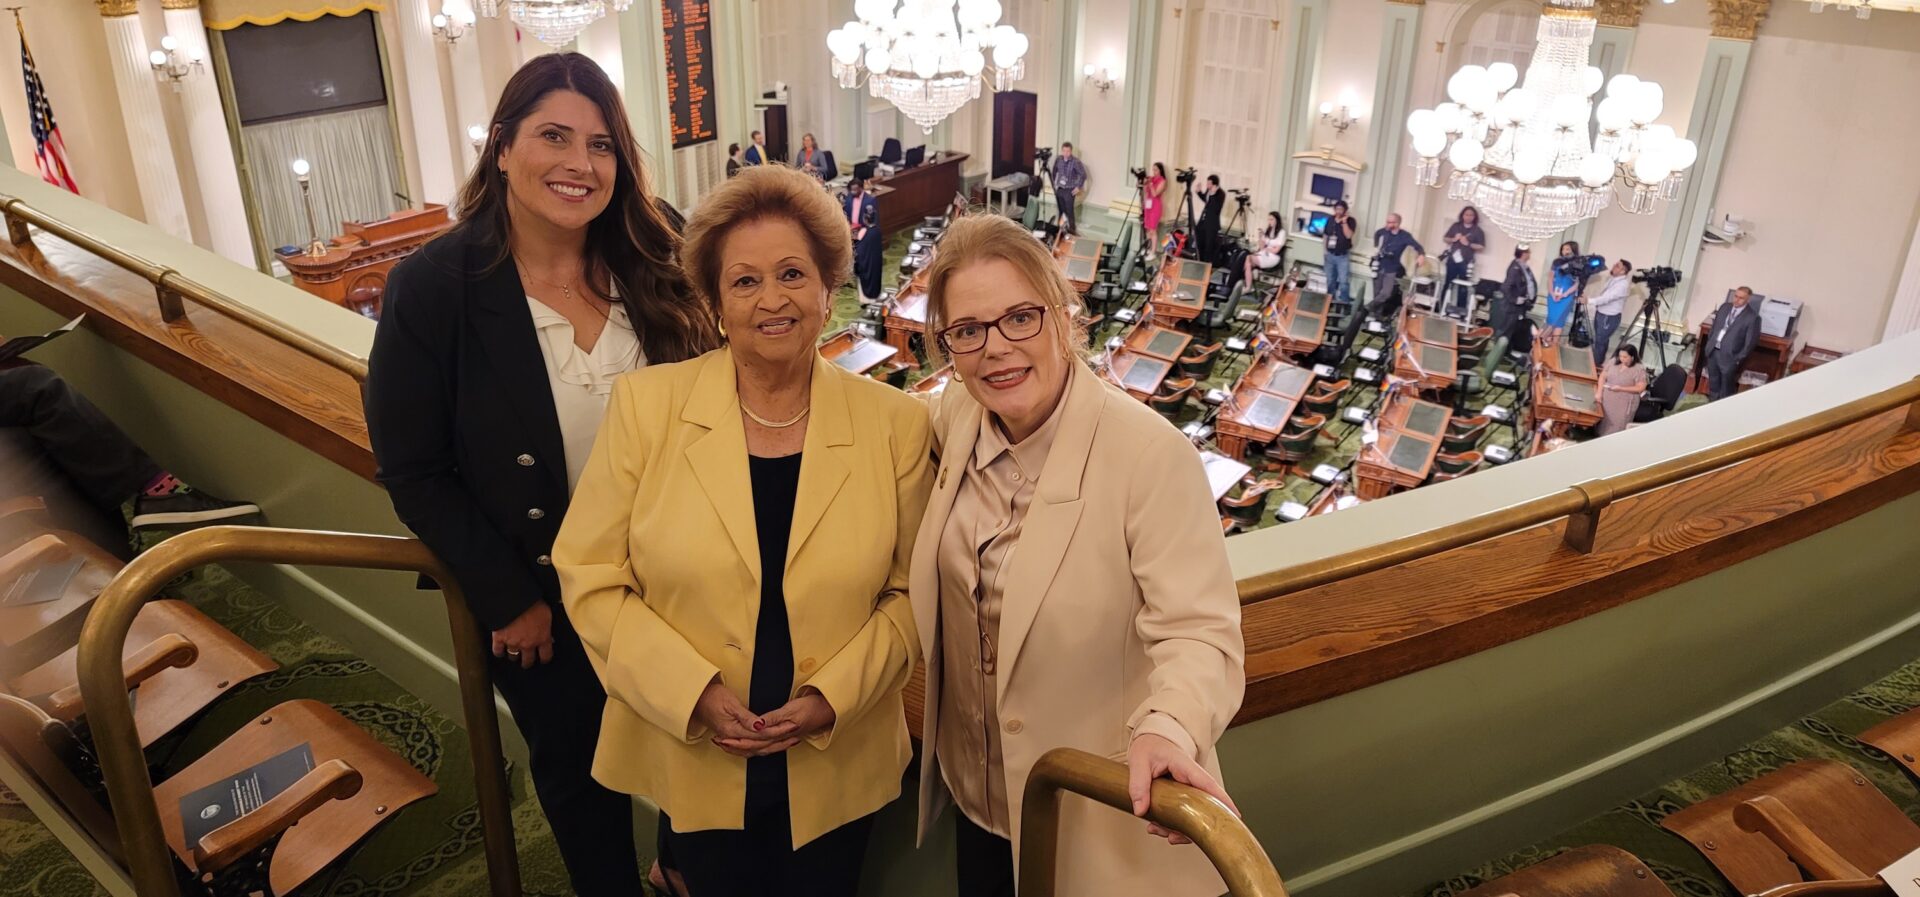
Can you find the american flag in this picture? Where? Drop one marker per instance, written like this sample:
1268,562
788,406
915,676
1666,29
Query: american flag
49,151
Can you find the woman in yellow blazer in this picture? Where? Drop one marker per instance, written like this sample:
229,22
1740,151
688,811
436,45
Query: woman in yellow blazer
736,559
1115,625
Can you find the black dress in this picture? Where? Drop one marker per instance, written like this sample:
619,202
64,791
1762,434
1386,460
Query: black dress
760,859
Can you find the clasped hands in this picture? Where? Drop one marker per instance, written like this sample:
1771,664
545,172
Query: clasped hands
742,733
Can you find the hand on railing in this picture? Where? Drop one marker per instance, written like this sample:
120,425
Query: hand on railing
1153,757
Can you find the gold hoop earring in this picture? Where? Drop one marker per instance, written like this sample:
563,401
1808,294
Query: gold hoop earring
956,376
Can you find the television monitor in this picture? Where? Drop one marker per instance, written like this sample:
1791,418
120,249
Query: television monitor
916,156
1317,224
1328,188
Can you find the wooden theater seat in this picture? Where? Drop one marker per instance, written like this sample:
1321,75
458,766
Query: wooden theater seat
63,568
178,658
1816,802
353,785
1899,738
1600,870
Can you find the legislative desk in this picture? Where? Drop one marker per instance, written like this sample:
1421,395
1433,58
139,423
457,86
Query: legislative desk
1770,354
1410,432
1426,352
1337,497
906,315
1180,291
1298,322
1079,260
932,384
923,191
1565,387
1140,375
855,353
360,257
1262,402
1157,342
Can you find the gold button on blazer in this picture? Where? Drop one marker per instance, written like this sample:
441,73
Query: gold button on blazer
660,572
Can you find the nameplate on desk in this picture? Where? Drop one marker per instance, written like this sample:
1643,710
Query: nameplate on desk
1904,875
209,808
42,585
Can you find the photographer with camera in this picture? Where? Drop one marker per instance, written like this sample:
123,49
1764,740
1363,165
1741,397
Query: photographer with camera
1339,267
1206,234
1608,307
1464,239
1388,244
1069,181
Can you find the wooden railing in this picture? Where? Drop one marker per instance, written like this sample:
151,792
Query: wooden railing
171,288
1581,504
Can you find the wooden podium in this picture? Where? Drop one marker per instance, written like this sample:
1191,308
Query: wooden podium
353,272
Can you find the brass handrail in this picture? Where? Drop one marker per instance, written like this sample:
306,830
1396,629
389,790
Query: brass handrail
1235,853
172,287
1581,503
110,710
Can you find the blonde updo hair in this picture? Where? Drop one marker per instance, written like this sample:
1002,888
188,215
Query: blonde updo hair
762,192
978,238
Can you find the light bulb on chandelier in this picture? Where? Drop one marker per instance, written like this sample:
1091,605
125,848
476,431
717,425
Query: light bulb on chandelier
554,22
1521,149
927,57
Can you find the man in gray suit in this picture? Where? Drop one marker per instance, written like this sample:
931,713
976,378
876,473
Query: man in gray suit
1736,328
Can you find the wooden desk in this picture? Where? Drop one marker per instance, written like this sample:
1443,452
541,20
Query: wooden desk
1769,356
1337,497
905,317
1561,401
1158,342
1180,292
1432,368
1079,260
1263,400
1565,360
932,384
1410,433
924,191
1812,357
360,257
857,354
1298,322
1140,375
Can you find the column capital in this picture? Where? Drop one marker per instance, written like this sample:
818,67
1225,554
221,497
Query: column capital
113,9
1620,13
1737,19
179,4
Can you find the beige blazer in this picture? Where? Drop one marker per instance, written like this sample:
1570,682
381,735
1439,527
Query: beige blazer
659,564
1119,604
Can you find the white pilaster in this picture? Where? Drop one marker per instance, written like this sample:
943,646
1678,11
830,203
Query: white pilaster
153,166
471,104
439,163
1904,317
210,142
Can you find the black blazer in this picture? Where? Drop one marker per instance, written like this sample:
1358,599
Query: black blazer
1216,203
463,425
1743,336
1518,288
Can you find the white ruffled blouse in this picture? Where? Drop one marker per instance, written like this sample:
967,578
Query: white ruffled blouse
581,380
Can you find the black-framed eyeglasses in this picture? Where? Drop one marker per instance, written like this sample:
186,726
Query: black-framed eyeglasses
969,337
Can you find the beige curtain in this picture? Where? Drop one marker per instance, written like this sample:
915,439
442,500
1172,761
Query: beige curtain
354,176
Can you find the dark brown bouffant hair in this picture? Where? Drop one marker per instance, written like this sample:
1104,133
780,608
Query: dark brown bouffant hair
756,193
632,245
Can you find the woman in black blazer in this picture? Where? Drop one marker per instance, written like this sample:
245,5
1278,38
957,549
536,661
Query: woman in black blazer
492,358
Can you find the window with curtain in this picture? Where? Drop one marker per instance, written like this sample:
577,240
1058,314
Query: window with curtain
315,91
1233,100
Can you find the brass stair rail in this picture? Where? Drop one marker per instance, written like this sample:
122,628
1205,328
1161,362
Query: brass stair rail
1235,853
171,287
110,711
1582,504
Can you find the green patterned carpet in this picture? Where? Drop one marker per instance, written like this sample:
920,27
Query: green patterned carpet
431,848
1635,826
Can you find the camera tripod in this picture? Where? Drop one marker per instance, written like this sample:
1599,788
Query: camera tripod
1186,204
1647,320
1239,220
1144,251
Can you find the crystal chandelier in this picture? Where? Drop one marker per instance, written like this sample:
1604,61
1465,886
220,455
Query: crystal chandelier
924,57
1522,154
554,22
1861,8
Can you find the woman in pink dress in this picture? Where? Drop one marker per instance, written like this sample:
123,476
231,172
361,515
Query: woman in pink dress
1155,187
1621,385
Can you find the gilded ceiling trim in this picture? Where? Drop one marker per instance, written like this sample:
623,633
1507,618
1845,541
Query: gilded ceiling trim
1737,19
1619,13
113,9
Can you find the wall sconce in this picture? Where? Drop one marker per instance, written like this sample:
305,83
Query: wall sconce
476,135
1100,76
452,25
1340,118
301,170
167,65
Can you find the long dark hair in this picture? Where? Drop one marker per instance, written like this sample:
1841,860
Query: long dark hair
1160,169
632,247
1462,220
1273,226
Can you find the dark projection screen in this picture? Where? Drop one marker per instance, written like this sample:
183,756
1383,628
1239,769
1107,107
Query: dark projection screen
295,69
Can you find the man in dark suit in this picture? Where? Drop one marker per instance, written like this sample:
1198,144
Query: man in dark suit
757,151
1736,328
863,216
1206,233
1516,294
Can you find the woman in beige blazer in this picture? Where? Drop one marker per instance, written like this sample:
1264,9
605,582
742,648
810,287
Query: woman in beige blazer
1070,584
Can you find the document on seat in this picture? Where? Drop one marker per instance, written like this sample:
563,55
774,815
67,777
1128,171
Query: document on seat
19,345
208,808
40,586
1904,875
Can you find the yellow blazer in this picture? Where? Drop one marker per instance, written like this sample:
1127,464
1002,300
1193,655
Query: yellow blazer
1120,616
660,572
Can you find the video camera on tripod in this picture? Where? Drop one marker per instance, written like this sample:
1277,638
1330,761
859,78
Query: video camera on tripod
1580,267
1042,155
1186,175
1658,278
1139,174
